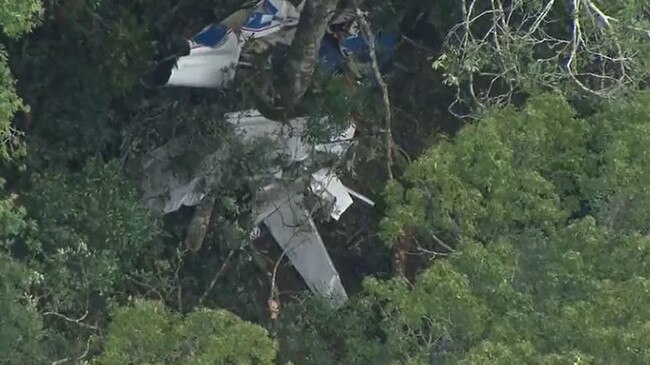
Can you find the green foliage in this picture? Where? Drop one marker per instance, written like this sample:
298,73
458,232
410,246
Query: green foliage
10,103
337,98
19,16
547,216
147,333
546,271
11,218
545,212
311,333
90,232
20,323
536,167
545,299
131,44
16,17
79,72
79,238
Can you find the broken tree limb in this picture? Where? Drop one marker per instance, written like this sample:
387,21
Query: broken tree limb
199,224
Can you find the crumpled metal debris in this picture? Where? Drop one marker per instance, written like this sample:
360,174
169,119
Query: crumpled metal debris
279,204
327,186
281,207
272,22
212,60
214,53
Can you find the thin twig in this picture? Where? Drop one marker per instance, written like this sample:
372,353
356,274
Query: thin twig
147,286
439,241
217,275
274,297
274,288
179,293
508,33
418,45
79,358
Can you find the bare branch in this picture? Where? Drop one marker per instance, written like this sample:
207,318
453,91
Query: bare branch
439,241
274,301
388,114
525,45
77,321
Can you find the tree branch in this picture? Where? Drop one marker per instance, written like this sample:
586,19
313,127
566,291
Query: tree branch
439,241
78,321
388,114
217,275
274,298
507,28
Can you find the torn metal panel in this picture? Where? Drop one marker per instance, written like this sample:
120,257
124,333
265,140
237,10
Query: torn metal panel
271,196
339,144
330,58
238,19
287,137
214,53
269,18
293,229
252,125
353,45
188,194
168,185
212,61
280,207
326,185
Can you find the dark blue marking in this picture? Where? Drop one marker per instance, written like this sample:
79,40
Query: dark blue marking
212,36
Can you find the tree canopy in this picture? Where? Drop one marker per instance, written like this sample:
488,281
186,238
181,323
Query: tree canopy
546,253
147,333
503,144
547,212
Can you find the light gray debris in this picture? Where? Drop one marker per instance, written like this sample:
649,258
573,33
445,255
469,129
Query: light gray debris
293,229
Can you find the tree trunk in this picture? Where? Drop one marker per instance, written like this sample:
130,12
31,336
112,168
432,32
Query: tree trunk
295,75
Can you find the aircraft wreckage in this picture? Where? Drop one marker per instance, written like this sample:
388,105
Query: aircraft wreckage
210,60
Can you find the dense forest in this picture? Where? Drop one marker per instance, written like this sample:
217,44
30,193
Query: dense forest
498,166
